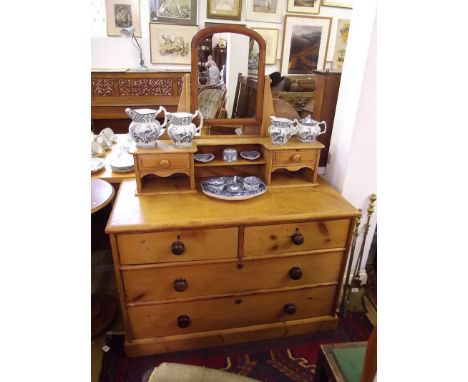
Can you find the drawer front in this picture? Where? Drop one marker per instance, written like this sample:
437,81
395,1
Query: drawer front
294,157
163,247
230,312
164,161
173,282
278,239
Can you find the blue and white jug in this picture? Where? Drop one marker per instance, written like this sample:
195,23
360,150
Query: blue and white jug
145,130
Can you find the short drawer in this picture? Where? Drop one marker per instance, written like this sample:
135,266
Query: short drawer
294,157
164,161
172,282
163,320
286,238
175,246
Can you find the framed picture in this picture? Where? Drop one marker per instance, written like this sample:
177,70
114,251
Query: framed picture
337,4
122,14
224,9
271,38
340,43
181,12
264,10
211,24
170,44
254,52
305,44
304,6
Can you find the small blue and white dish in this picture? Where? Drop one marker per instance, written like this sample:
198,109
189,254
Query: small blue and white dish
203,157
234,187
251,183
250,155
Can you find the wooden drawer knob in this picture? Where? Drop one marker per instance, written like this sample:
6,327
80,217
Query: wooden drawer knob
180,284
290,308
295,273
183,321
164,163
178,248
297,237
296,157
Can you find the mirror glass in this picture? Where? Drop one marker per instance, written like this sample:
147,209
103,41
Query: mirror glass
227,76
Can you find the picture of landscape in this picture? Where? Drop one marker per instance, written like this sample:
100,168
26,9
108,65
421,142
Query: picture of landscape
304,51
265,6
304,3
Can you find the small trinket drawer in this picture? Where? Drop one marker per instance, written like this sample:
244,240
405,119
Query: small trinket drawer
193,272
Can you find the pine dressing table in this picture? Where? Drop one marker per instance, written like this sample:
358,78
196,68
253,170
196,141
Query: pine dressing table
194,271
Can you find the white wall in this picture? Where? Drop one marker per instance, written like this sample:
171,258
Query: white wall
352,168
118,53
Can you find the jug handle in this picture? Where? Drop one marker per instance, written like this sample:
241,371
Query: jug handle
294,127
325,129
162,108
201,120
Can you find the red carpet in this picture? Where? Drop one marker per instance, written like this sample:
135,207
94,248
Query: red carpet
289,359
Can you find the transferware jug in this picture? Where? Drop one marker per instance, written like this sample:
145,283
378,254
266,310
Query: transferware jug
281,130
181,130
145,130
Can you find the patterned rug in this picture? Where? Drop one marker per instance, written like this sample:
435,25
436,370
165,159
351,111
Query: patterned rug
290,359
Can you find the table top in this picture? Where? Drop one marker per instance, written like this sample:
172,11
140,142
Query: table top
106,173
327,351
102,193
175,211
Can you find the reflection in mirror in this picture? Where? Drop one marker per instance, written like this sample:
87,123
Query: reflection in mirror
227,76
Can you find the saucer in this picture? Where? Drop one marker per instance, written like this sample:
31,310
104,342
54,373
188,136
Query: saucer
250,155
203,157
97,164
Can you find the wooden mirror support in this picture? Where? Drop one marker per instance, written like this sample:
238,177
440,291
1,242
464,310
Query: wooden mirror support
202,34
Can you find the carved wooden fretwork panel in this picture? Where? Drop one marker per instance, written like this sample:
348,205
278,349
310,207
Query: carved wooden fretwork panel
180,82
146,87
103,87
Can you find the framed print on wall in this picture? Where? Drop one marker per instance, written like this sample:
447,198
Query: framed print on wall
337,4
305,44
181,12
122,14
271,38
170,44
340,43
264,10
304,6
224,9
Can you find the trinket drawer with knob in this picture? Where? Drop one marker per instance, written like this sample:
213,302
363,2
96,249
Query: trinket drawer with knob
195,272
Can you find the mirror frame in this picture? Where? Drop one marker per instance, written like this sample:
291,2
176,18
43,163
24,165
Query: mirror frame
199,36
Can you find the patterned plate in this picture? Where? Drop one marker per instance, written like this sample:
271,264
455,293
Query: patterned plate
97,164
250,155
231,188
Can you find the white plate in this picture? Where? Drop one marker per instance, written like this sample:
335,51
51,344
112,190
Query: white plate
97,164
203,157
123,161
250,155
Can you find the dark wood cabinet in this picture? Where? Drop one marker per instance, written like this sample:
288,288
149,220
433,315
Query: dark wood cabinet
327,85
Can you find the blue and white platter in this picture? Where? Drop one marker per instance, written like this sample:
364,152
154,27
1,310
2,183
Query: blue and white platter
234,187
203,157
250,155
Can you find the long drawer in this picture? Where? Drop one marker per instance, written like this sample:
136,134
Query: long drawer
176,246
295,237
162,320
170,282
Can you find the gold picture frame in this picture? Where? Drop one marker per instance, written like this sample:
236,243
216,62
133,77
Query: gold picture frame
224,9
337,4
122,14
311,7
270,35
